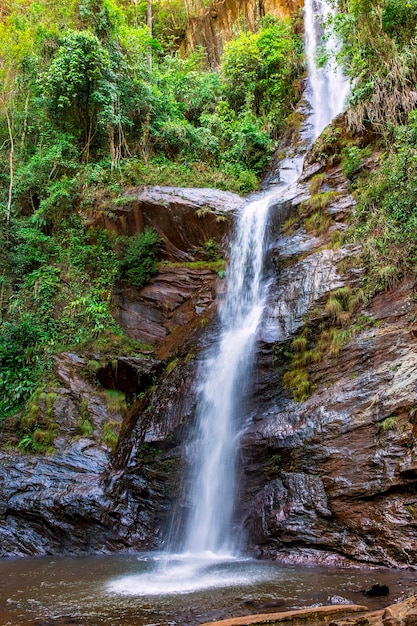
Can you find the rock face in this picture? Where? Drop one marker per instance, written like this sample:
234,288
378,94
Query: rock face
401,614
333,477
186,220
212,25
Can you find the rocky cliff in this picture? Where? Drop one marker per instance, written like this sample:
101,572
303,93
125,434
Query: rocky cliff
83,497
330,476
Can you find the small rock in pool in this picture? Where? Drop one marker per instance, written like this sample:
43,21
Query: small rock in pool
377,590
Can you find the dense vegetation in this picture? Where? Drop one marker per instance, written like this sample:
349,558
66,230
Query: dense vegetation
379,52
91,102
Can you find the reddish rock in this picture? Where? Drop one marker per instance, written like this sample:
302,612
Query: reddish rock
184,218
402,614
175,297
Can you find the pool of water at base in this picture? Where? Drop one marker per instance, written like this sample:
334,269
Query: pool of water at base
156,590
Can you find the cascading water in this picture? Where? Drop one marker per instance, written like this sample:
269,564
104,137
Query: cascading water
327,87
223,377
224,372
208,536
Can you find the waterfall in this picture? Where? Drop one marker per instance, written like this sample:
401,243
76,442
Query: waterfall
225,368
327,87
204,555
223,375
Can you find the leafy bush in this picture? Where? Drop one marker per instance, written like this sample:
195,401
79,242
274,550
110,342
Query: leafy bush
140,261
353,159
379,54
77,82
21,363
399,19
385,217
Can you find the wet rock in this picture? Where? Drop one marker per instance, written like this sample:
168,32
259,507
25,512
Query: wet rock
300,286
352,442
184,218
344,487
263,606
54,504
377,590
179,294
337,600
174,298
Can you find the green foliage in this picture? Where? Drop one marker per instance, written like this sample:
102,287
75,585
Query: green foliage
109,434
319,201
85,426
82,116
379,54
399,20
191,173
316,183
140,260
21,364
353,159
77,83
115,401
389,423
259,69
212,250
37,423
385,220
55,304
326,332
274,466
147,454
169,23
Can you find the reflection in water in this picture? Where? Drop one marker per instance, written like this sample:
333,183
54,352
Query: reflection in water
123,590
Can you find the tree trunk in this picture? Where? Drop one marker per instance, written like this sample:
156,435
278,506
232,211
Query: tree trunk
149,24
11,168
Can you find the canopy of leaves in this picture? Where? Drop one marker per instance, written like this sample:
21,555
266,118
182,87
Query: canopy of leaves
82,115
259,71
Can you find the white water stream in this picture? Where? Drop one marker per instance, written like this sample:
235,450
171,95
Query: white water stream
209,534
225,372
327,87
223,376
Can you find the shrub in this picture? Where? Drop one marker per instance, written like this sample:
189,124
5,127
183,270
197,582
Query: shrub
140,261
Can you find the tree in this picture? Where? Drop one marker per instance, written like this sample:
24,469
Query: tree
15,44
78,84
259,70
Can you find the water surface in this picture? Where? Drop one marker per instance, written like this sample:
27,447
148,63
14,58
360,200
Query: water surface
124,589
